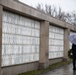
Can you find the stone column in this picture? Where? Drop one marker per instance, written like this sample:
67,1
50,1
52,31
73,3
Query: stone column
44,45
66,43
1,10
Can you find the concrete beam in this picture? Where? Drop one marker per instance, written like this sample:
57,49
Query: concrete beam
23,9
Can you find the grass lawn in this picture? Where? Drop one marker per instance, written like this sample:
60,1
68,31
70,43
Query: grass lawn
51,67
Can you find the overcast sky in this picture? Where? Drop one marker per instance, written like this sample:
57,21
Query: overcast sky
66,5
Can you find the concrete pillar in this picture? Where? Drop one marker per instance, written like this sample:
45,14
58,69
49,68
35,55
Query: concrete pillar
44,45
66,43
1,10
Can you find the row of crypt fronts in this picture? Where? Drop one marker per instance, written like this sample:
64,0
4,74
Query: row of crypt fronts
30,39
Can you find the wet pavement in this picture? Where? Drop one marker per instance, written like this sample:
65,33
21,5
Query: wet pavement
64,70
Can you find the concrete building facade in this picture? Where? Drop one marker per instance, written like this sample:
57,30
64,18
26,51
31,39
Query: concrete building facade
30,39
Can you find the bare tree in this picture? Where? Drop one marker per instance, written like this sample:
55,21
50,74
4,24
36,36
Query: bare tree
58,13
40,7
74,18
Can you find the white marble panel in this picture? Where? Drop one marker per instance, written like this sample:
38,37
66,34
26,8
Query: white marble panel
20,38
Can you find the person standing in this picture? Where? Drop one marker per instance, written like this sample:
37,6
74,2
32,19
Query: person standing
74,56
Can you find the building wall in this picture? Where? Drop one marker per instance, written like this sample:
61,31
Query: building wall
20,23
56,42
20,39
14,70
55,60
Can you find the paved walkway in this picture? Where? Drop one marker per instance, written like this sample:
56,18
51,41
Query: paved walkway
65,70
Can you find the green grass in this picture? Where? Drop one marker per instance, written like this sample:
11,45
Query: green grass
51,67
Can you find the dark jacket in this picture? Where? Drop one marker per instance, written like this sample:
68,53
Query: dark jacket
74,50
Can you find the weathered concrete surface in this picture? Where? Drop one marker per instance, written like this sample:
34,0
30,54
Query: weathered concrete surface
66,43
44,43
26,10
14,70
65,70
